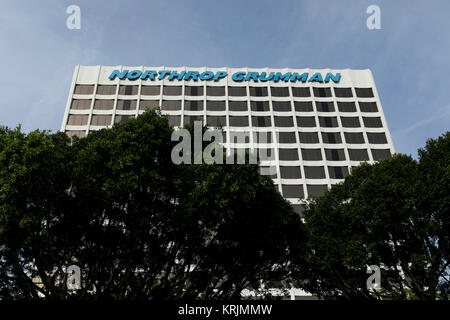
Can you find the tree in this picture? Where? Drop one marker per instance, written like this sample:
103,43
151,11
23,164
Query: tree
137,225
393,214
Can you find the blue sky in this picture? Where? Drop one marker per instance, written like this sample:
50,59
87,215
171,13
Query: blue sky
409,57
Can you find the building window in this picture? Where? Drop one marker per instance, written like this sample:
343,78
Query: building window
216,121
343,92
306,122
322,92
364,92
104,104
316,190
238,105
258,91
346,106
314,172
263,137
337,172
288,154
215,91
150,90
299,208
172,90
261,122
350,122
193,105
372,122
376,138
237,91
358,154
215,105
126,104
76,133
238,121
121,118
101,120
290,172
77,120
106,89
286,137
309,137
368,106
191,119
193,90
328,122
292,191
84,89
283,122
171,105
331,137
281,106
259,105
301,92
303,106
380,154
311,154
354,137
279,91
174,121
335,154
268,171
78,104
325,106
128,90
148,104
239,136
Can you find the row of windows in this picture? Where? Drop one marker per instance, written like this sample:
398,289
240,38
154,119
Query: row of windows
296,191
198,105
311,172
154,90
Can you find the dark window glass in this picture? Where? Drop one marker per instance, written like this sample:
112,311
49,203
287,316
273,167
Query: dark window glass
322,92
376,138
104,104
126,104
292,191
259,105
261,121
238,121
78,104
364,92
258,91
106,89
350,122
380,154
331,137
216,121
193,90
368,106
316,190
343,92
174,121
286,137
215,105
121,118
288,154
171,105
346,106
128,90
301,92
172,90
151,90
238,105
303,106
354,137
77,120
325,106
148,104
335,154
76,133
314,172
279,91
283,121
358,154
237,91
372,122
290,172
338,172
309,137
193,105
192,119
328,122
84,89
311,154
281,106
101,120
215,91
306,122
